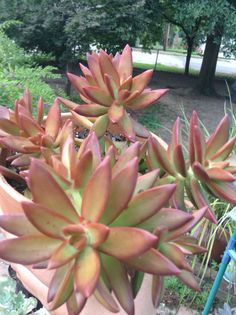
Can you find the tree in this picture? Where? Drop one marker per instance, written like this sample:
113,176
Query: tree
188,16
219,27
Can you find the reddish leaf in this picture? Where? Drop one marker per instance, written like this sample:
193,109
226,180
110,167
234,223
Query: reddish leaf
145,205
84,170
146,181
91,110
141,81
125,66
146,98
116,203
61,287
224,151
98,96
130,153
188,279
127,127
107,67
117,275
157,290
96,192
64,254
179,161
224,190
100,125
47,192
87,270
168,218
45,220
193,123
28,250
173,253
53,122
127,242
220,174
75,303
9,126
17,224
116,112
153,262
218,138
103,295
19,144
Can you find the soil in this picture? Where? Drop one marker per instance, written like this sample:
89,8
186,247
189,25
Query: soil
183,94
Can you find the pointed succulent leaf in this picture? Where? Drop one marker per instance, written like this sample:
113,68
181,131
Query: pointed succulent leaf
157,290
136,282
173,253
153,262
95,69
145,205
119,281
178,198
223,190
100,126
218,138
125,66
90,110
175,138
30,126
111,86
199,144
75,303
17,224
84,170
200,172
28,249
107,67
127,242
45,220
220,174
196,217
168,218
141,81
91,144
116,112
9,126
193,123
96,192
127,84
130,153
127,127
61,287
64,254
116,203
19,144
179,161
200,199
224,151
87,270
146,181
43,186
187,278
139,129
104,297
68,155
78,82
146,98
162,156
190,247
53,121
98,96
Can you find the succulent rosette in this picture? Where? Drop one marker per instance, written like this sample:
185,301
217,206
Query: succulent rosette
92,220
109,90
206,170
21,132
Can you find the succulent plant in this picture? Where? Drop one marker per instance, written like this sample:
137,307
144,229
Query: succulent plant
108,90
78,224
28,136
206,170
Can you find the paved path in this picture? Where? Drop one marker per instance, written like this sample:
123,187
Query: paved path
223,66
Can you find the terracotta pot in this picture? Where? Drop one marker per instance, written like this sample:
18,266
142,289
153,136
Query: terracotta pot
37,281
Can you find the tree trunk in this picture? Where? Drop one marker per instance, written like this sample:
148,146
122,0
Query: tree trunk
166,36
190,42
208,68
69,68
